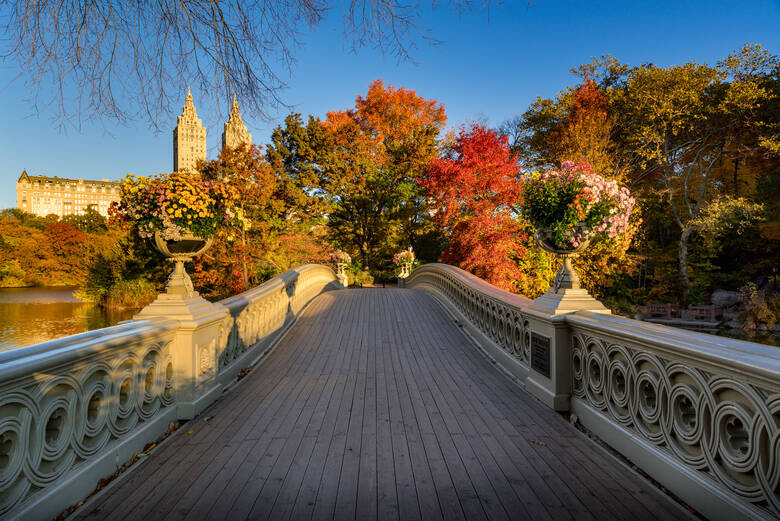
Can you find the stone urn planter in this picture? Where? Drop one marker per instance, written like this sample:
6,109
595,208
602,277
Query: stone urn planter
567,277
341,273
341,259
179,252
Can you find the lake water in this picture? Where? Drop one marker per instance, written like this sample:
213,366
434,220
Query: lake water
33,315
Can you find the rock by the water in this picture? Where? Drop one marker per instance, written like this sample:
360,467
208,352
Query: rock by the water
725,299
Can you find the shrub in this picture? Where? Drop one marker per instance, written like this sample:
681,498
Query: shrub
761,307
131,294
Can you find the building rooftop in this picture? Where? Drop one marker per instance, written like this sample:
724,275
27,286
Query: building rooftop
55,179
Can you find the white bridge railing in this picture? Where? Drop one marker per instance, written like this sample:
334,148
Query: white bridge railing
75,409
699,413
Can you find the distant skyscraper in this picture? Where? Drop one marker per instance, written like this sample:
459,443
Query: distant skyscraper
235,132
189,138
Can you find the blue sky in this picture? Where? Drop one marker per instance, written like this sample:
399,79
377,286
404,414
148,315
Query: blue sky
488,66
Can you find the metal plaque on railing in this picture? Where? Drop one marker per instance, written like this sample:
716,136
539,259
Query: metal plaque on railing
540,354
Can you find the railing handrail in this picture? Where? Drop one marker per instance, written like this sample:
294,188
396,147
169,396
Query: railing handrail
37,357
755,361
475,282
271,285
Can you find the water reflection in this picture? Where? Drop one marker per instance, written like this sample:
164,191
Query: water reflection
33,315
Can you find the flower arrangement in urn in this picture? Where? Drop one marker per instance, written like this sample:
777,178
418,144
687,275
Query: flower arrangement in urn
341,258
405,259
570,206
180,212
176,205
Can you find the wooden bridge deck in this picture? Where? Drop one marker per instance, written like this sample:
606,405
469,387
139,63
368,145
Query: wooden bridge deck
376,406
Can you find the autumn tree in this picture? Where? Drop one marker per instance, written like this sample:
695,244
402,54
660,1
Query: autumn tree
681,121
576,125
474,189
584,133
228,267
64,238
369,164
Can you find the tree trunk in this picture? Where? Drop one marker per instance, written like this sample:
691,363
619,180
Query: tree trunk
364,254
245,271
685,281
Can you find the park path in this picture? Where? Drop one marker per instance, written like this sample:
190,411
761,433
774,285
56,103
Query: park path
375,406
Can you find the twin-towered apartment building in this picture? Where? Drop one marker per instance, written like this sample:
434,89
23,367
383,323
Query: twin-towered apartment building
43,195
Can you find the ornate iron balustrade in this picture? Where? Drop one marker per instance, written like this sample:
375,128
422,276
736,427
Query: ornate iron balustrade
699,413
77,404
708,404
75,409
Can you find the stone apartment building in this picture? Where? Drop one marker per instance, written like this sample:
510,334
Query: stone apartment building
189,138
42,195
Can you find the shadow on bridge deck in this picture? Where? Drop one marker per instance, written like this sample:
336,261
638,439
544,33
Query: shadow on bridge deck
376,406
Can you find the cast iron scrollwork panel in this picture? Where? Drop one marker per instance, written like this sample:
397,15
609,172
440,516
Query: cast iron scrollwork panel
55,421
712,423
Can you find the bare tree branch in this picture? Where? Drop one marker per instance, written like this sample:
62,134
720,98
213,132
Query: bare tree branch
119,60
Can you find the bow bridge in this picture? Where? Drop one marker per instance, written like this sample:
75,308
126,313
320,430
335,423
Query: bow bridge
445,398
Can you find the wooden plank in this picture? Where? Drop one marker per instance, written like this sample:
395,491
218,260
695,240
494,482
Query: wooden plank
327,493
301,462
430,507
387,498
366,507
256,501
307,494
236,473
406,490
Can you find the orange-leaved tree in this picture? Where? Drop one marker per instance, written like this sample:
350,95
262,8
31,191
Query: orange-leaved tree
229,266
370,162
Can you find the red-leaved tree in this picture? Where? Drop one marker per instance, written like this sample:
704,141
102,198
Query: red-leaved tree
474,189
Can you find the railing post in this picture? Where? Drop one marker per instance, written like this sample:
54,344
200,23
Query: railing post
194,348
549,378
